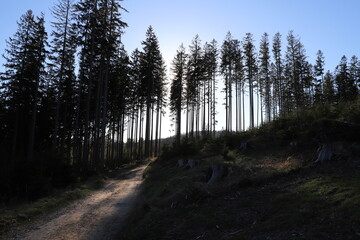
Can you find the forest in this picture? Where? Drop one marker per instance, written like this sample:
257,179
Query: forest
74,102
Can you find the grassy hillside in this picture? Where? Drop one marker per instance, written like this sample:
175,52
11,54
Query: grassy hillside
268,186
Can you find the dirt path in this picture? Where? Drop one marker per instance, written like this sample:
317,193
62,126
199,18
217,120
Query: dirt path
99,216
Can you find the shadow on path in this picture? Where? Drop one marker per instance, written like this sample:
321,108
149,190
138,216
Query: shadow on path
99,216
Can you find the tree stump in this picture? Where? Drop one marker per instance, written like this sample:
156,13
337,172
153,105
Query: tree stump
191,163
180,163
218,171
243,146
325,153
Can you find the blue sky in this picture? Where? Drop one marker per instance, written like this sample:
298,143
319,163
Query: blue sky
329,25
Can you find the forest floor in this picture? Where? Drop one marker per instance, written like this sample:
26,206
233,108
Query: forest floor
270,191
98,216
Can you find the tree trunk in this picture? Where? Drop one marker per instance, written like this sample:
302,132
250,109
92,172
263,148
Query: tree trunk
122,137
204,109
32,127
15,136
226,104
157,129
152,132
214,105
140,133
160,133
243,106
236,106
230,102
178,125
187,119
147,129
58,105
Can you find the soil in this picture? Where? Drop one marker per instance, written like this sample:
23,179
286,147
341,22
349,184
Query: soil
99,216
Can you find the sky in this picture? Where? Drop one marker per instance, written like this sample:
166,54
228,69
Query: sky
327,25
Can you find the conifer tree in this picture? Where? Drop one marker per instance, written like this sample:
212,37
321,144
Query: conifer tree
177,89
88,70
100,28
250,72
319,76
264,71
194,78
135,102
25,59
228,61
140,95
21,97
295,60
120,101
239,81
278,83
152,70
328,88
342,79
346,89
62,73
210,70
354,74
38,61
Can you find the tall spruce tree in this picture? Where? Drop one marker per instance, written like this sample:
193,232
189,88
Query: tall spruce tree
62,72
210,69
39,57
228,61
194,78
346,88
264,71
152,71
177,89
354,74
121,100
135,100
250,72
239,81
25,60
100,28
140,94
22,94
319,76
278,83
328,88
295,61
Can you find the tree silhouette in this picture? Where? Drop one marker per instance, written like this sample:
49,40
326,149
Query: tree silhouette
177,88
